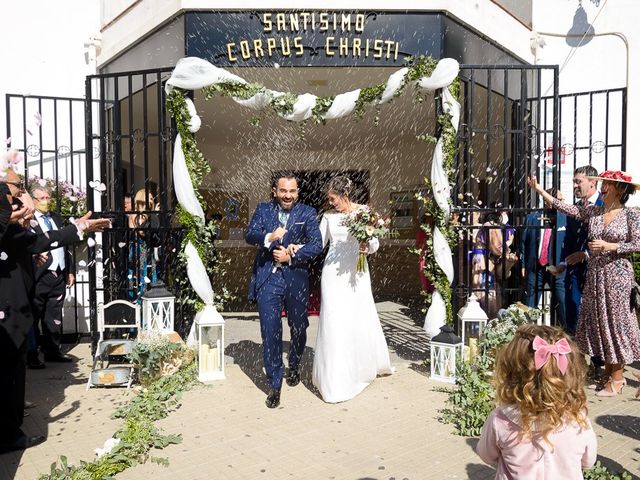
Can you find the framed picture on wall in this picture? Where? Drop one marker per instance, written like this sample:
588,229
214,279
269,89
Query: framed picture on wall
230,209
404,211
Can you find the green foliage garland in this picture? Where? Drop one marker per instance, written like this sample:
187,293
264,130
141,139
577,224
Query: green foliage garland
282,104
139,435
432,270
201,235
323,104
368,95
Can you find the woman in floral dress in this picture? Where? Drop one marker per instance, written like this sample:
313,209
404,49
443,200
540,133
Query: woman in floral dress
608,326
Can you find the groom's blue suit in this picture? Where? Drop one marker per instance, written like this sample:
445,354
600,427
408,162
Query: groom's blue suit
275,286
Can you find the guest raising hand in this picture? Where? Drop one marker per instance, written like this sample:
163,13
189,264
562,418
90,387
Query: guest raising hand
607,325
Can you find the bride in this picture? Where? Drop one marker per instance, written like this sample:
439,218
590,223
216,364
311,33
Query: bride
350,348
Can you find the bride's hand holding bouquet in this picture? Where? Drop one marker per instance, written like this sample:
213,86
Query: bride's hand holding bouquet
365,224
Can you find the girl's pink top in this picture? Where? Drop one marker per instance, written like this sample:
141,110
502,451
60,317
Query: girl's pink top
572,449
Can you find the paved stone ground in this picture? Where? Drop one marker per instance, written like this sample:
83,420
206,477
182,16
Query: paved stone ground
390,431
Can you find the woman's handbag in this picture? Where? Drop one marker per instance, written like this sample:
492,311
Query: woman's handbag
635,297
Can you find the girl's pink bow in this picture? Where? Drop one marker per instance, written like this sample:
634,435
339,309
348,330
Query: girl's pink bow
543,351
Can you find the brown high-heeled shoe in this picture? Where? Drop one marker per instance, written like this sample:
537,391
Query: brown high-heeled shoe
615,386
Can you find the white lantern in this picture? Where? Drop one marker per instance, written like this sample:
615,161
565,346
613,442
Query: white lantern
471,322
158,305
210,348
446,351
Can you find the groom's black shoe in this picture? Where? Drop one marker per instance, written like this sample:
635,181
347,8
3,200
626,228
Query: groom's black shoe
293,378
273,399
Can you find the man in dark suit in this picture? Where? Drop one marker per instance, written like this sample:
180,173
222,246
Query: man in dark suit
573,258
280,280
53,273
18,245
539,256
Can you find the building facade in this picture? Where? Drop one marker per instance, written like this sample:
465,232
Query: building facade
324,51
523,63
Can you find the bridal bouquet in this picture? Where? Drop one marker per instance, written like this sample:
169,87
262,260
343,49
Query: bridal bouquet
365,224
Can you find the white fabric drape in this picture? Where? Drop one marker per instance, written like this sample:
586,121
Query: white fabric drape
200,282
442,253
442,193
193,73
185,192
436,315
439,180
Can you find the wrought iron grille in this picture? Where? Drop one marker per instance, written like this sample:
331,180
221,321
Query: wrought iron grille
129,125
49,132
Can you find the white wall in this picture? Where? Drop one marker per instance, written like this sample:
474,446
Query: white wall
43,53
43,48
604,62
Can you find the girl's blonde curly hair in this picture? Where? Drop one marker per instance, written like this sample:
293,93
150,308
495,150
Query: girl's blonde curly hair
546,398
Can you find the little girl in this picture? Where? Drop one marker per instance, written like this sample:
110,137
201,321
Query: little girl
540,428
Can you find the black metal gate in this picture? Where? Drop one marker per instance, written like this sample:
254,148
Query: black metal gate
128,123
511,128
49,132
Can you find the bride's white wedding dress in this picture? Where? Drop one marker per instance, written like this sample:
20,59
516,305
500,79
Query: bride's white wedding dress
350,348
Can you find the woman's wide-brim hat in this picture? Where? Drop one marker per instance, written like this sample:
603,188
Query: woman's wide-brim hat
616,176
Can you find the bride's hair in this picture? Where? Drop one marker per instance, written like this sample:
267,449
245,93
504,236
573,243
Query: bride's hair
340,185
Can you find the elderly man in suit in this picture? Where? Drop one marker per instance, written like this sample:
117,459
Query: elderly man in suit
540,255
53,273
16,285
280,280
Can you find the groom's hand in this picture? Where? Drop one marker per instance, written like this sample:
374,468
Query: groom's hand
281,255
277,234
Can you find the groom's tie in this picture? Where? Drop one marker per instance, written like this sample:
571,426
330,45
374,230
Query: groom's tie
283,218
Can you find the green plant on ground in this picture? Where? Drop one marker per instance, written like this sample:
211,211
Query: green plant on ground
138,436
600,472
151,353
471,400
635,261
501,330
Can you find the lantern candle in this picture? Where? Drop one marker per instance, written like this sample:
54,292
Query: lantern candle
473,349
204,357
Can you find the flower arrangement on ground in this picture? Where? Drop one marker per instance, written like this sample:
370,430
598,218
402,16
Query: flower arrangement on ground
155,354
364,224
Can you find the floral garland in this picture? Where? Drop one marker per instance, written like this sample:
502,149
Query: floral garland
432,271
199,233
192,73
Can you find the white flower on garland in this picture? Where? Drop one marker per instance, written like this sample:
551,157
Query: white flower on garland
109,445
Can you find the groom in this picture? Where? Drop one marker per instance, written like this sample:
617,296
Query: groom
279,280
